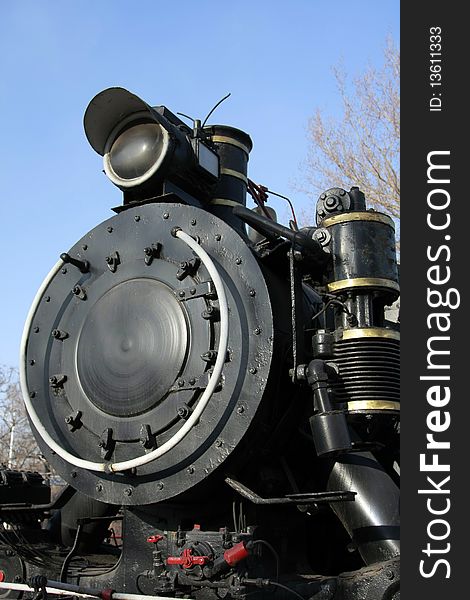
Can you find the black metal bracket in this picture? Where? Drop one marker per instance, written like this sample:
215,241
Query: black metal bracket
187,267
152,252
57,381
195,383
113,260
200,290
306,498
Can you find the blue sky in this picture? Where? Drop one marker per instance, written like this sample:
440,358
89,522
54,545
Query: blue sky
274,57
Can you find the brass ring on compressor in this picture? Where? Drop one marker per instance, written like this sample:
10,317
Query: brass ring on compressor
343,284
233,173
358,216
372,405
374,332
223,139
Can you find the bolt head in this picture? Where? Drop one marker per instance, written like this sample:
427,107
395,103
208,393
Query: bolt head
159,485
166,215
137,218
190,470
182,412
253,370
109,229
252,292
128,491
240,410
331,202
218,237
257,331
193,221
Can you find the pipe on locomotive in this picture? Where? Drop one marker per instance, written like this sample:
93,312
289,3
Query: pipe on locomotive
373,519
58,588
199,408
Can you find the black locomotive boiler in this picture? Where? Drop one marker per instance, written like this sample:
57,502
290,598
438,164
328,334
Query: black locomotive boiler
224,387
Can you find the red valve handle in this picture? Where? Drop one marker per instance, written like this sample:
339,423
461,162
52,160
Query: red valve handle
187,559
154,539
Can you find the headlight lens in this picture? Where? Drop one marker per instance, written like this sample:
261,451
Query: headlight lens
136,150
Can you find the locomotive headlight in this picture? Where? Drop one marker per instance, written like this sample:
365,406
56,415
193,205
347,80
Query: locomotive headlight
136,140
144,146
134,152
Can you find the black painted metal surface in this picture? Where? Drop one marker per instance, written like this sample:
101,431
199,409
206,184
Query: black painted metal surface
121,348
135,345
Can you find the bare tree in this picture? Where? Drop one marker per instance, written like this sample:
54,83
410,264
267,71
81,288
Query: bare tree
361,148
18,448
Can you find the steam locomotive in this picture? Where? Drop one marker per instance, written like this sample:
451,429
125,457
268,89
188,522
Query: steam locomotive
219,387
